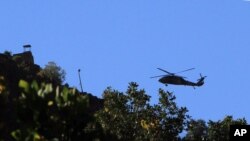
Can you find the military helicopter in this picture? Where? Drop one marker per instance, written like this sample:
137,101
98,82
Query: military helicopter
172,78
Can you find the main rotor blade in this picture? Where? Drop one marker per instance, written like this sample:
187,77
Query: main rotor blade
165,71
185,70
157,76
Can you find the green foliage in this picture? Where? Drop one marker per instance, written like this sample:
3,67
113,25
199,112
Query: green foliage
130,116
197,130
41,112
8,53
219,130
53,73
23,84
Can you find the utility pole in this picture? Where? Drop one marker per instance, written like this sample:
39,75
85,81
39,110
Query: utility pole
80,79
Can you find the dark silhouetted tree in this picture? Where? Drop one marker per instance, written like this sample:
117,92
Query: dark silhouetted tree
53,73
196,131
219,130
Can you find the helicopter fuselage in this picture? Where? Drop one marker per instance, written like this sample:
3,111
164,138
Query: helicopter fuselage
176,80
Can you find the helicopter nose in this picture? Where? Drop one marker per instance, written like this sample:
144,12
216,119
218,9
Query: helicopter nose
161,80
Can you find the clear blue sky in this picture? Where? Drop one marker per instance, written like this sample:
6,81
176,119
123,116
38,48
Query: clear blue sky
115,42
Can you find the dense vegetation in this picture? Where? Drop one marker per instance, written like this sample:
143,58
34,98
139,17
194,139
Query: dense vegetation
35,105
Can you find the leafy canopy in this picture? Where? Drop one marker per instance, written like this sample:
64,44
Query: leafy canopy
129,115
53,73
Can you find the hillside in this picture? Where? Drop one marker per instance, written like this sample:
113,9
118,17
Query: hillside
21,66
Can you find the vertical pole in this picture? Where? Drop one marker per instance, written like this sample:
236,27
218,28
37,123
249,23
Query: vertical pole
80,79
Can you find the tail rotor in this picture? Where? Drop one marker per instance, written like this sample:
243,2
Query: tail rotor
201,80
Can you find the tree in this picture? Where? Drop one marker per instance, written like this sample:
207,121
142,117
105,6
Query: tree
212,130
8,53
53,73
129,116
196,131
219,130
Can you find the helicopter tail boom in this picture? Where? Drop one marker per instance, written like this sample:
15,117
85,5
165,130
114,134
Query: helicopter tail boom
201,80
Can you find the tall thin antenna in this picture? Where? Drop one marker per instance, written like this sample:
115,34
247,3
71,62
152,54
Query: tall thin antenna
80,79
